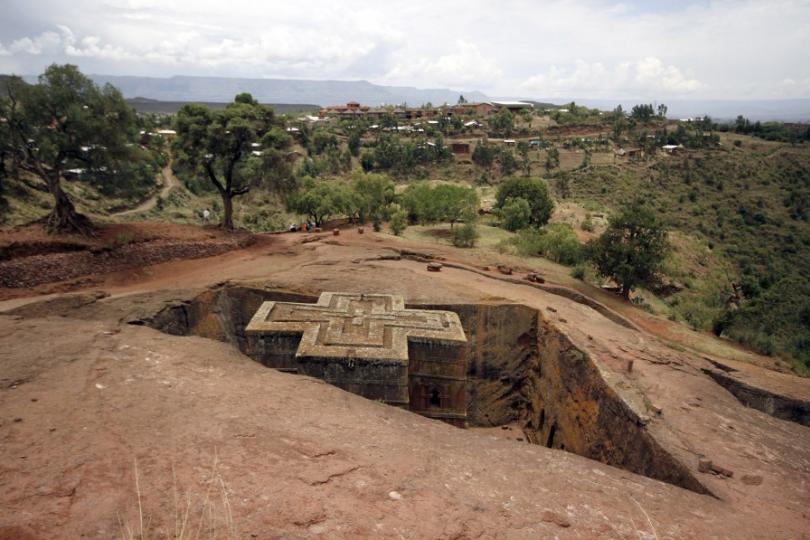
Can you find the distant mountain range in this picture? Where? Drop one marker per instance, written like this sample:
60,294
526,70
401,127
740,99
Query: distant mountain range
174,91
223,89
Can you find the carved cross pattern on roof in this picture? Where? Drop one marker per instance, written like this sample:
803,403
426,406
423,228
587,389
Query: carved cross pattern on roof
346,325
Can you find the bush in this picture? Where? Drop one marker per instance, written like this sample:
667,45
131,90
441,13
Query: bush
556,241
465,236
578,272
515,214
399,221
587,224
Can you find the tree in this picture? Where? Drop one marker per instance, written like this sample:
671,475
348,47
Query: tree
219,145
319,201
446,202
354,143
508,162
515,214
662,111
420,204
65,119
552,159
619,122
455,203
399,221
374,192
525,162
461,100
483,154
532,190
5,145
503,123
642,112
632,248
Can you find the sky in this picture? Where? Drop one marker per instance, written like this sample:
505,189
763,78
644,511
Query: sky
597,49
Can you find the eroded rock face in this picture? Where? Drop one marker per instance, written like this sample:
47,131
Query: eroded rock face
572,408
521,368
782,407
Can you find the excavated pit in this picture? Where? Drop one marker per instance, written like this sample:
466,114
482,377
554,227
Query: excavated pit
521,370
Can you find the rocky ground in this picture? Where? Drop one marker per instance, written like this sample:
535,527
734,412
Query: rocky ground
109,428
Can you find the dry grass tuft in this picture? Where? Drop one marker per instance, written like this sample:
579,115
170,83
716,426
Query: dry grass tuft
195,516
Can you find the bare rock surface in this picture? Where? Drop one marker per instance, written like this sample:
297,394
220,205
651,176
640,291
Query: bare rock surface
284,455
94,411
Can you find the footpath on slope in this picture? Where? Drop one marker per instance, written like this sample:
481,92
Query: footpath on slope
169,183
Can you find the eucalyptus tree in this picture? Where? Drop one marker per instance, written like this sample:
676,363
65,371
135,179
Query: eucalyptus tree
64,121
235,148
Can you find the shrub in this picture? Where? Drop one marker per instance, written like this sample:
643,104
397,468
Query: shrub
399,221
556,241
578,272
465,236
587,224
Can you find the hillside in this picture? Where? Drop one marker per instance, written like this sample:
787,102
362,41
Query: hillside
744,205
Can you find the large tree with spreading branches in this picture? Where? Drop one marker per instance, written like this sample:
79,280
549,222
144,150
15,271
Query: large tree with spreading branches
64,121
234,148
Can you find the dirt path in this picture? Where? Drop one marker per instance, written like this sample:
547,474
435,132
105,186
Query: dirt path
169,183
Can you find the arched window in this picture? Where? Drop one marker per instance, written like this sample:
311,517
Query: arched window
435,398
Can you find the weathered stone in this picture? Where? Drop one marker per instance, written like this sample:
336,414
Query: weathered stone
534,277
556,518
503,269
722,471
434,267
751,479
335,232
371,345
360,230
704,465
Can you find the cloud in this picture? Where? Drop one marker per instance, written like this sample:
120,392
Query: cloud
43,43
643,77
520,48
64,42
463,67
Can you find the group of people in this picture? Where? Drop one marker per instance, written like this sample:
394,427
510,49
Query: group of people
308,226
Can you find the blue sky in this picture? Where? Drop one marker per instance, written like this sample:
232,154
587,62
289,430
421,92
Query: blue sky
721,49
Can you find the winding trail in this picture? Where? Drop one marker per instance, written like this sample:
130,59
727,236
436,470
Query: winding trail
169,183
